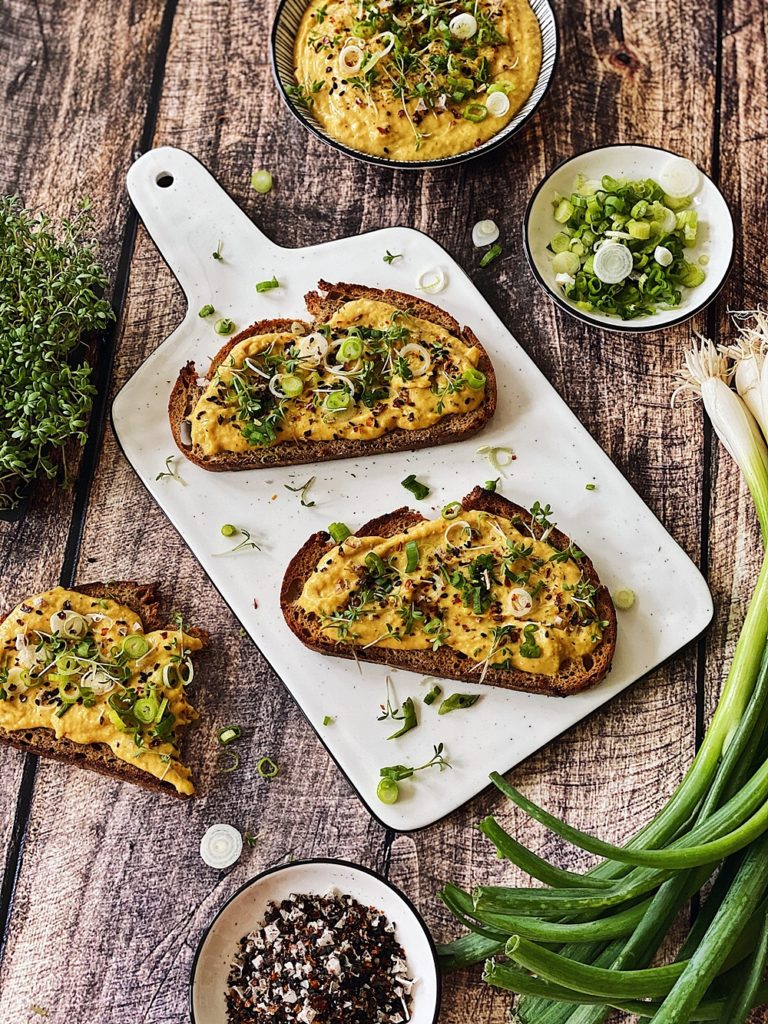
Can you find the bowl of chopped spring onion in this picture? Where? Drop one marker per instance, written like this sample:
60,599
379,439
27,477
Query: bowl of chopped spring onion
630,238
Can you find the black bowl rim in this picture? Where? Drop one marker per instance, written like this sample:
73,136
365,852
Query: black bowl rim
621,326
493,143
318,860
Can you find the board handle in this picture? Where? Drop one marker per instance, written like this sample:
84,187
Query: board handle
189,216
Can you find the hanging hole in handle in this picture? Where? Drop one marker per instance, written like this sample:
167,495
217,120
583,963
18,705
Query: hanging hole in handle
164,180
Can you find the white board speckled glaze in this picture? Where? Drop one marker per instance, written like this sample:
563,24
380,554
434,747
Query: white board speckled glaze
556,457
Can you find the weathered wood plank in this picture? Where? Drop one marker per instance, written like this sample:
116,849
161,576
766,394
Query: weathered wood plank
70,116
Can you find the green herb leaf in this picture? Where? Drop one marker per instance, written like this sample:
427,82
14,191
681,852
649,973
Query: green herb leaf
493,253
392,256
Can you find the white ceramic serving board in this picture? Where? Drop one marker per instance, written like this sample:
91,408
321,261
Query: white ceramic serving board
556,458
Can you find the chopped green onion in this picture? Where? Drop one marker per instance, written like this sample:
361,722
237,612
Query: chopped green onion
624,598
145,709
493,253
135,646
409,719
229,734
388,791
267,286
206,310
475,112
337,401
339,532
434,693
457,701
590,487
452,510
327,720
261,181
267,768
291,384
412,556
228,530
232,764
475,379
417,489
350,349
224,326
491,485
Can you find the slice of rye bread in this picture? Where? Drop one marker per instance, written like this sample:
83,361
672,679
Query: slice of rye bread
578,675
144,600
322,305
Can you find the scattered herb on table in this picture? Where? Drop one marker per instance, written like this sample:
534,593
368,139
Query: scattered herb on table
457,701
51,308
417,489
388,790
171,472
267,286
434,693
339,532
244,544
392,256
261,181
493,253
251,838
206,310
303,490
387,710
327,720
409,719
590,487
491,485
499,456
267,768
229,734
224,326
230,762
217,254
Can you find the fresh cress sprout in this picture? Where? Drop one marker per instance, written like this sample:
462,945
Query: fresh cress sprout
388,790
217,254
392,256
303,491
243,545
171,472
51,308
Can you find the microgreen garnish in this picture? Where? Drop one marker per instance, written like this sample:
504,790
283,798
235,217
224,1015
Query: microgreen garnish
457,701
388,711
303,490
540,518
171,472
243,545
303,94
217,254
206,310
267,286
392,256
51,305
251,838
493,253
388,789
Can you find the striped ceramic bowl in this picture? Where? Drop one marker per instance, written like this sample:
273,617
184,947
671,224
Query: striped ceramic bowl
286,27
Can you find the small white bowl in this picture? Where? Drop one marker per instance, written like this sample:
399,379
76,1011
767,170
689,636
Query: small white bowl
715,236
245,910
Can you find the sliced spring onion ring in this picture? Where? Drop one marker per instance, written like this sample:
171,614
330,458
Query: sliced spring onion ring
255,368
497,104
423,358
339,532
312,348
98,679
520,601
662,255
267,768
463,26
485,232
229,734
669,221
464,526
221,846
261,181
390,42
349,350
412,556
612,263
452,510
68,623
624,598
135,646
499,456
475,379
286,385
432,280
680,178
337,401
351,59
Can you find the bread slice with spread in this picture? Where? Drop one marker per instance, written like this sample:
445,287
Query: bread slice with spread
95,676
375,371
493,593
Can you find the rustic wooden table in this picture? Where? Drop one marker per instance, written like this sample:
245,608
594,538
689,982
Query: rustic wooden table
104,896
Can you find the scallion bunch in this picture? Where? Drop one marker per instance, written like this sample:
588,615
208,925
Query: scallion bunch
582,946
51,305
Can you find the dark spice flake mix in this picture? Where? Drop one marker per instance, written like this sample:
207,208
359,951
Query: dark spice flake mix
320,960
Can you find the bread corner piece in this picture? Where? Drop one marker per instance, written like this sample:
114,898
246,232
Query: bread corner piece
95,676
568,574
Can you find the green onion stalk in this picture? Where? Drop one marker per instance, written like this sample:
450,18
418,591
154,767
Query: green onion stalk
580,947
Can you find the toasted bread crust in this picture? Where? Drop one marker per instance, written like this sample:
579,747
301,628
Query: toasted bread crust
447,662
143,599
186,392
